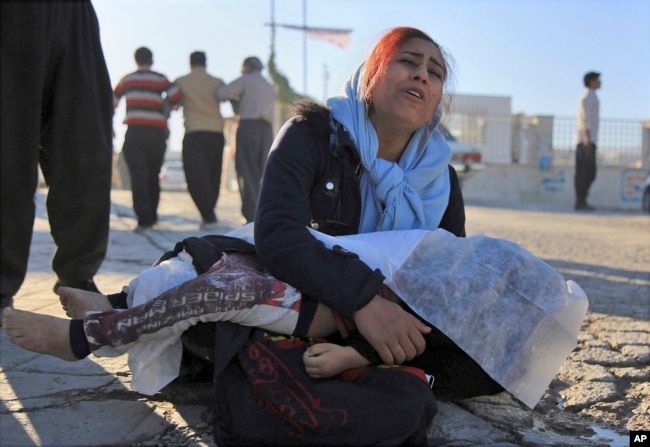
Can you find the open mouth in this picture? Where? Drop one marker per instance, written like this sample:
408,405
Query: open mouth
414,93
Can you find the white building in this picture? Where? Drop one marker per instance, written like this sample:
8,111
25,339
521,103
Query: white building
485,122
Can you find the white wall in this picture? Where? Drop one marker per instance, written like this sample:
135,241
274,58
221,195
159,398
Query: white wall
492,115
615,188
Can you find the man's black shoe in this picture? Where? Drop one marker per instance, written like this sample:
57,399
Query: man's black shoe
87,284
584,207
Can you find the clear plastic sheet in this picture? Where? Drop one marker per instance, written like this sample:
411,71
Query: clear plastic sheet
506,308
510,311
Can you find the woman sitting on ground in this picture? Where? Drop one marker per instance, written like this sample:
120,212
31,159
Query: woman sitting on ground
370,160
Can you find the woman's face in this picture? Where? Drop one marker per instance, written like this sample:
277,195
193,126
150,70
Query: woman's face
407,95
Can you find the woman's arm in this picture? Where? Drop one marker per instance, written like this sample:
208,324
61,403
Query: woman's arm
294,173
295,166
454,218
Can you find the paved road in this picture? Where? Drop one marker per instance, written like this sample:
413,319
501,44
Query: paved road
601,392
605,383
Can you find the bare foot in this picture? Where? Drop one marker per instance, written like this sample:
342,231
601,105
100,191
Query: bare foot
40,333
324,360
77,302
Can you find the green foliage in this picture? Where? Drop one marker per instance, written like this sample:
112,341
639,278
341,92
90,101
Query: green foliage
286,94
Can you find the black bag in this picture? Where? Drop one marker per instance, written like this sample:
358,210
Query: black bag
265,397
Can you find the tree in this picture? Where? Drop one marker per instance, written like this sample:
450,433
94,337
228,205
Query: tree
286,94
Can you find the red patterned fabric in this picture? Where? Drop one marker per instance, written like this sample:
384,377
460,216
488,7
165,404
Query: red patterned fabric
264,396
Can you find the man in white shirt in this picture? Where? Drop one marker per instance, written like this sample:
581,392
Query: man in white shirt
253,100
586,137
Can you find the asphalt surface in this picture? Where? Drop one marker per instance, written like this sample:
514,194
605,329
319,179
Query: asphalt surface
600,394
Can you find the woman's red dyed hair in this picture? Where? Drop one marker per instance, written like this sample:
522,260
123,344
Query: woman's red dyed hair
383,52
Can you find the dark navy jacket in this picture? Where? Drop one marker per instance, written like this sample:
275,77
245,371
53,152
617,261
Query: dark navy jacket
310,180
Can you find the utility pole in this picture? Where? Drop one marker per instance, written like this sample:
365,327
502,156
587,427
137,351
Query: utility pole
339,37
272,26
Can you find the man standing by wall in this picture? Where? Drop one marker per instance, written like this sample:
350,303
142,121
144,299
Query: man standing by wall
253,99
56,111
586,136
204,140
145,141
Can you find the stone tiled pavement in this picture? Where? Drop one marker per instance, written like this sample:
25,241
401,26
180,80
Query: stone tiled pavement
601,392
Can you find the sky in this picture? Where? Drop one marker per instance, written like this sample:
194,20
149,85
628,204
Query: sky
533,51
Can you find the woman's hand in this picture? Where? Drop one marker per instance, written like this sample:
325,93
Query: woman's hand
395,334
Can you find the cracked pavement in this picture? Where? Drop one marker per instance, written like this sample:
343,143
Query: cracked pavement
601,392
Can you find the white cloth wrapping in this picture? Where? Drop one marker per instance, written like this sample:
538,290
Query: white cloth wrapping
250,298
155,361
507,309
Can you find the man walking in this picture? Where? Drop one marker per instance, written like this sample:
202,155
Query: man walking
145,141
204,140
56,111
253,99
586,136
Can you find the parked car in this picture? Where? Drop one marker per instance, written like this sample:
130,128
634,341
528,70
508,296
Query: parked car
172,176
464,157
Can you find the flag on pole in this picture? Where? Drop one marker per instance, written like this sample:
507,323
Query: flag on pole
339,37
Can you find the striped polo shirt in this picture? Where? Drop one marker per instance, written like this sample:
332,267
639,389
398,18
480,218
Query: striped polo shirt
145,91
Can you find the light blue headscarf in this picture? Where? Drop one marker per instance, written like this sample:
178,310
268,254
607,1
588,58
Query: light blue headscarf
410,194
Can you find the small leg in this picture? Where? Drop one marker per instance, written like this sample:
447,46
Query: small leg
40,333
77,302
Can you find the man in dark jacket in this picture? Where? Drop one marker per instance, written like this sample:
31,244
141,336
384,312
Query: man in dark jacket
57,112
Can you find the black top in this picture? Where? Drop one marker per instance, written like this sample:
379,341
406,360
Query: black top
311,179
